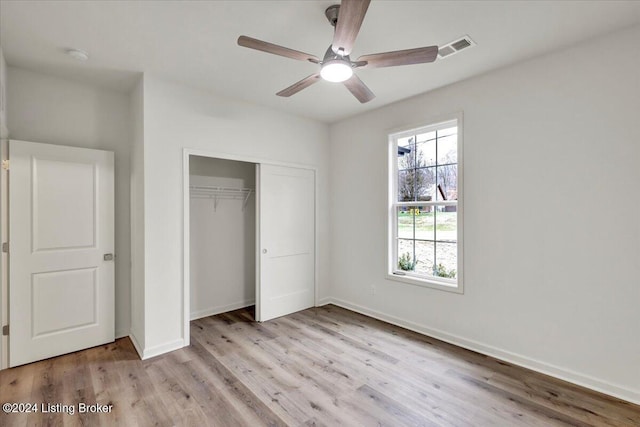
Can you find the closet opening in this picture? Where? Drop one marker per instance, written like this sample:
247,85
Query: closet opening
222,236
249,237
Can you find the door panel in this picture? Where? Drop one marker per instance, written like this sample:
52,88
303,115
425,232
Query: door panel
61,224
56,186
55,297
287,241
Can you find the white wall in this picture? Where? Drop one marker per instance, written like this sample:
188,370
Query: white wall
222,239
57,111
176,117
4,131
136,107
552,208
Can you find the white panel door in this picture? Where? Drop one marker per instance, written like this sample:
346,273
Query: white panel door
286,224
61,226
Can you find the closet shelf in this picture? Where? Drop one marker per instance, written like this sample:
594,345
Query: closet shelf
219,193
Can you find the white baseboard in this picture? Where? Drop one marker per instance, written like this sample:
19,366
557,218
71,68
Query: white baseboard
516,359
324,301
157,350
147,353
219,309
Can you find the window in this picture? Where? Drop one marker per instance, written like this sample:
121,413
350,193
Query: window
425,233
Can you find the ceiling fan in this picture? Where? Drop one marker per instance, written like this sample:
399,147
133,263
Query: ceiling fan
336,65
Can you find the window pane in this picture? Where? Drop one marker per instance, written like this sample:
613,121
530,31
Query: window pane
405,142
406,180
406,158
416,185
448,150
446,260
426,136
425,256
448,131
406,255
447,182
446,220
405,222
425,180
426,153
424,220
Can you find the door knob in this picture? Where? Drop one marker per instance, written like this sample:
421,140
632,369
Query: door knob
264,251
108,257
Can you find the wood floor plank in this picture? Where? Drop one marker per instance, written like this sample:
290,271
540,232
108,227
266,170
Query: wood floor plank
108,386
350,342
444,409
47,389
292,389
246,400
577,406
395,412
492,370
279,391
77,387
297,333
174,396
325,366
139,394
419,390
351,324
16,385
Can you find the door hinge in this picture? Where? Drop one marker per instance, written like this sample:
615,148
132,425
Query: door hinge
5,330
5,247
5,165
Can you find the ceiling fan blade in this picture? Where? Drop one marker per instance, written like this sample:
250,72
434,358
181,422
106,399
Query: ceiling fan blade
350,19
359,89
298,86
418,55
256,44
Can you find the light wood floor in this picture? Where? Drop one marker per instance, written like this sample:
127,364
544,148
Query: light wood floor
323,366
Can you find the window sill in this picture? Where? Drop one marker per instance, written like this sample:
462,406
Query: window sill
426,283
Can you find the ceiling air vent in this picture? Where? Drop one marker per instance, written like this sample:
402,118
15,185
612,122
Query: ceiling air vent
445,51
455,46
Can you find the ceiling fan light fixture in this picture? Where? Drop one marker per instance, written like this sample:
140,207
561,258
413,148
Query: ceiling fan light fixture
336,70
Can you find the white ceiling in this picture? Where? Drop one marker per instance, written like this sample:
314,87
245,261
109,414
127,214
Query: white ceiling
195,43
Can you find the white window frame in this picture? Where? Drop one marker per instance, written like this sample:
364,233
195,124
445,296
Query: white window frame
393,273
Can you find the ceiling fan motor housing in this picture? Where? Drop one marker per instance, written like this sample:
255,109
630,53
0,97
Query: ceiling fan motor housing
330,55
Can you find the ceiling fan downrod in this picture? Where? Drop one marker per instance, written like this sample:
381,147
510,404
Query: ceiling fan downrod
332,14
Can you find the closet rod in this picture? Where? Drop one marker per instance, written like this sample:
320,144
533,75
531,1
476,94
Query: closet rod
217,193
